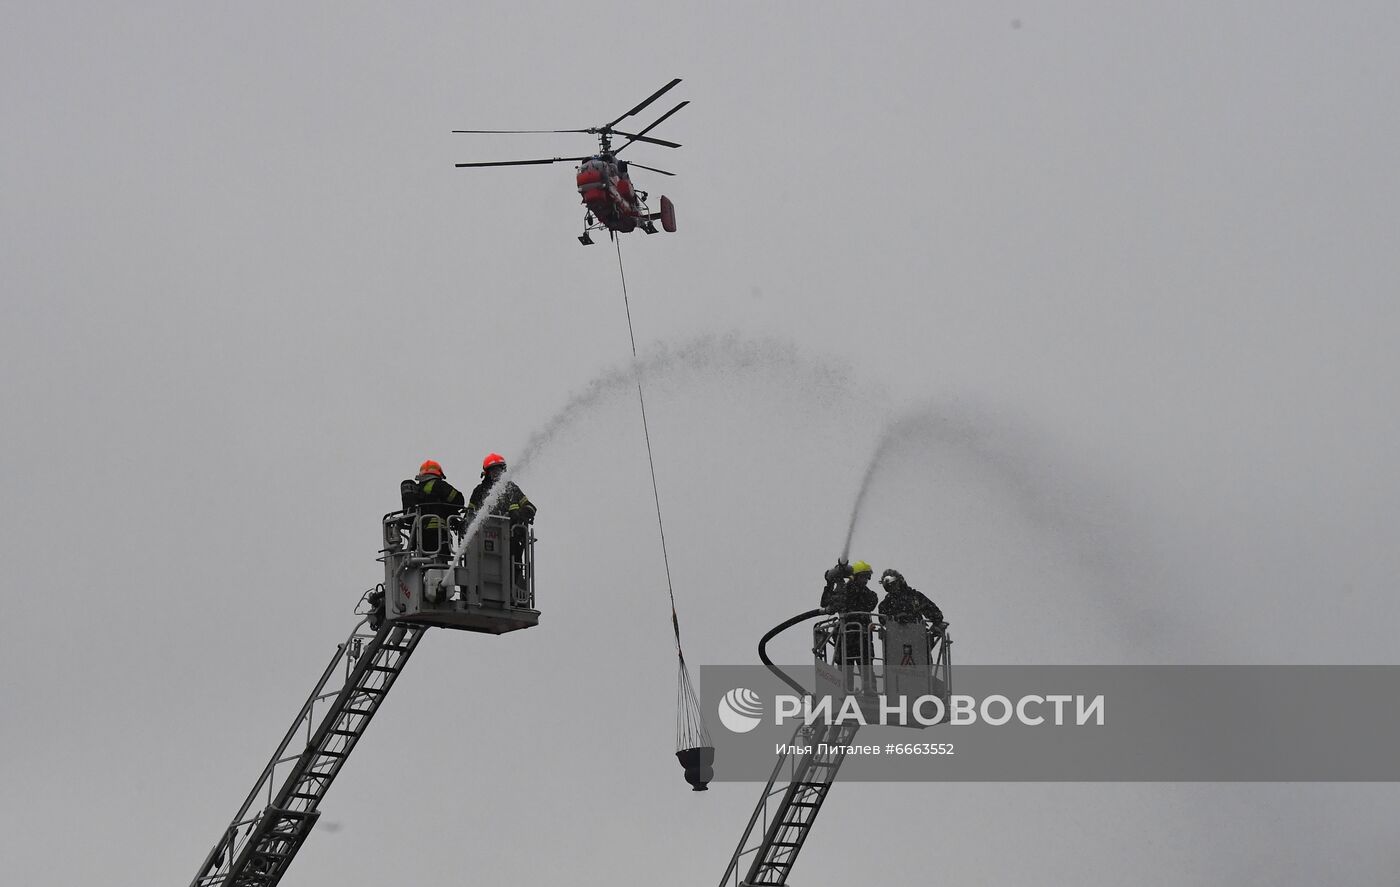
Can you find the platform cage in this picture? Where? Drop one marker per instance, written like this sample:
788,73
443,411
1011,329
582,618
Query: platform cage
869,656
491,589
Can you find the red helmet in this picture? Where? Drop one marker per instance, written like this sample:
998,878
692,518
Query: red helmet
493,459
431,467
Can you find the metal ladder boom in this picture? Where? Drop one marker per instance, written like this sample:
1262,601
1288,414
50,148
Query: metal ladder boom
785,814
775,837
272,836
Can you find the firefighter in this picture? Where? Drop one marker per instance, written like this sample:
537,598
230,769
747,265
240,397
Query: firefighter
431,498
513,503
848,591
860,597
905,604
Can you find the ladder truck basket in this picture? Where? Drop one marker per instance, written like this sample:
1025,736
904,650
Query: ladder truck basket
868,656
490,589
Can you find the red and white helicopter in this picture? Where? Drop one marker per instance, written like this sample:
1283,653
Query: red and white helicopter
605,182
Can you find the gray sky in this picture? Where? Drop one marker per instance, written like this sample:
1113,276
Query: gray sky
1132,271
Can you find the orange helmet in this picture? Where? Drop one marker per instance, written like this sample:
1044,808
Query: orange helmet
493,459
431,467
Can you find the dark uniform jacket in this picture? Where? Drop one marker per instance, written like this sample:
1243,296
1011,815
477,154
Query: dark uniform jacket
436,500
512,503
849,596
906,604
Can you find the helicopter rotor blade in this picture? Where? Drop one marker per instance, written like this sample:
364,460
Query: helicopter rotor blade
657,121
520,130
647,101
651,169
642,136
526,162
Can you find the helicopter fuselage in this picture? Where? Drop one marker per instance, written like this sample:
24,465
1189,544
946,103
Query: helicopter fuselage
606,189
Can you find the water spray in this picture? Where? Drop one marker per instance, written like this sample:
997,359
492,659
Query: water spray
895,431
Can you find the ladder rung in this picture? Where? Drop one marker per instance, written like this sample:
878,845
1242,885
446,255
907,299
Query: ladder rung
359,711
385,668
306,795
345,733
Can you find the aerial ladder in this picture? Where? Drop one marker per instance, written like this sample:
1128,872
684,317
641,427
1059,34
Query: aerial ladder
488,589
853,658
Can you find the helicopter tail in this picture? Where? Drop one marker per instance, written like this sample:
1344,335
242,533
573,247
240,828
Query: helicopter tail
668,215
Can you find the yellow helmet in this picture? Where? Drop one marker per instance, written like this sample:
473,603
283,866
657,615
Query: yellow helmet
860,567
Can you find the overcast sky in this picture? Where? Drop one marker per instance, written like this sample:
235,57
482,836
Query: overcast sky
1127,274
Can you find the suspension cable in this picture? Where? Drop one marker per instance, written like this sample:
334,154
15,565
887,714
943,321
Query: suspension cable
651,462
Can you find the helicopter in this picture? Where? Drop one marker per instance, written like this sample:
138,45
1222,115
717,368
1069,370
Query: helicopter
604,182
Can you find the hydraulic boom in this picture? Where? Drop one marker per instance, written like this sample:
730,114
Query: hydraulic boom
261,841
489,590
847,663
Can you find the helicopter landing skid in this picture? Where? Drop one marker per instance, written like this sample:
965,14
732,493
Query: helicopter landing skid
587,240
